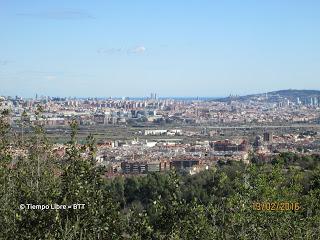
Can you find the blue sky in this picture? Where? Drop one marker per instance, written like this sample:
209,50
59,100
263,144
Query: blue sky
174,48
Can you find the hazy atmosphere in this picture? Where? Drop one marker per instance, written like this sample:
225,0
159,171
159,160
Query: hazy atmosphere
173,48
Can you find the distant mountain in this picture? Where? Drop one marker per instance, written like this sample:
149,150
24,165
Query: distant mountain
290,94
296,93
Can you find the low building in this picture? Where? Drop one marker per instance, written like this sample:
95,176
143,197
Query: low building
226,146
155,132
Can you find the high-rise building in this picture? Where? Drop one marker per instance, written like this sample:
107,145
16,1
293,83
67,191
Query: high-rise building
311,101
315,101
298,101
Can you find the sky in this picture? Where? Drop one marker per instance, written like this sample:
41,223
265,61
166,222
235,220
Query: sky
103,48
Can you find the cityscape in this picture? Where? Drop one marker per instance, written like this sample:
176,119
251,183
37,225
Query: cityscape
191,135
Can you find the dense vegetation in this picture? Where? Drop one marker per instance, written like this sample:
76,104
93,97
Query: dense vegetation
215,204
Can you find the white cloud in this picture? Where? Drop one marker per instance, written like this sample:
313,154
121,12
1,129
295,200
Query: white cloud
50,77
137,50
3,62
59,14
111,51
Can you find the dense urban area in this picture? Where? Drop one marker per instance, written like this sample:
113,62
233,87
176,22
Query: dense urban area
152,135
161,168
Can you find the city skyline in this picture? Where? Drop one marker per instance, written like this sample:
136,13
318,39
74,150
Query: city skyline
154,95
175,49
